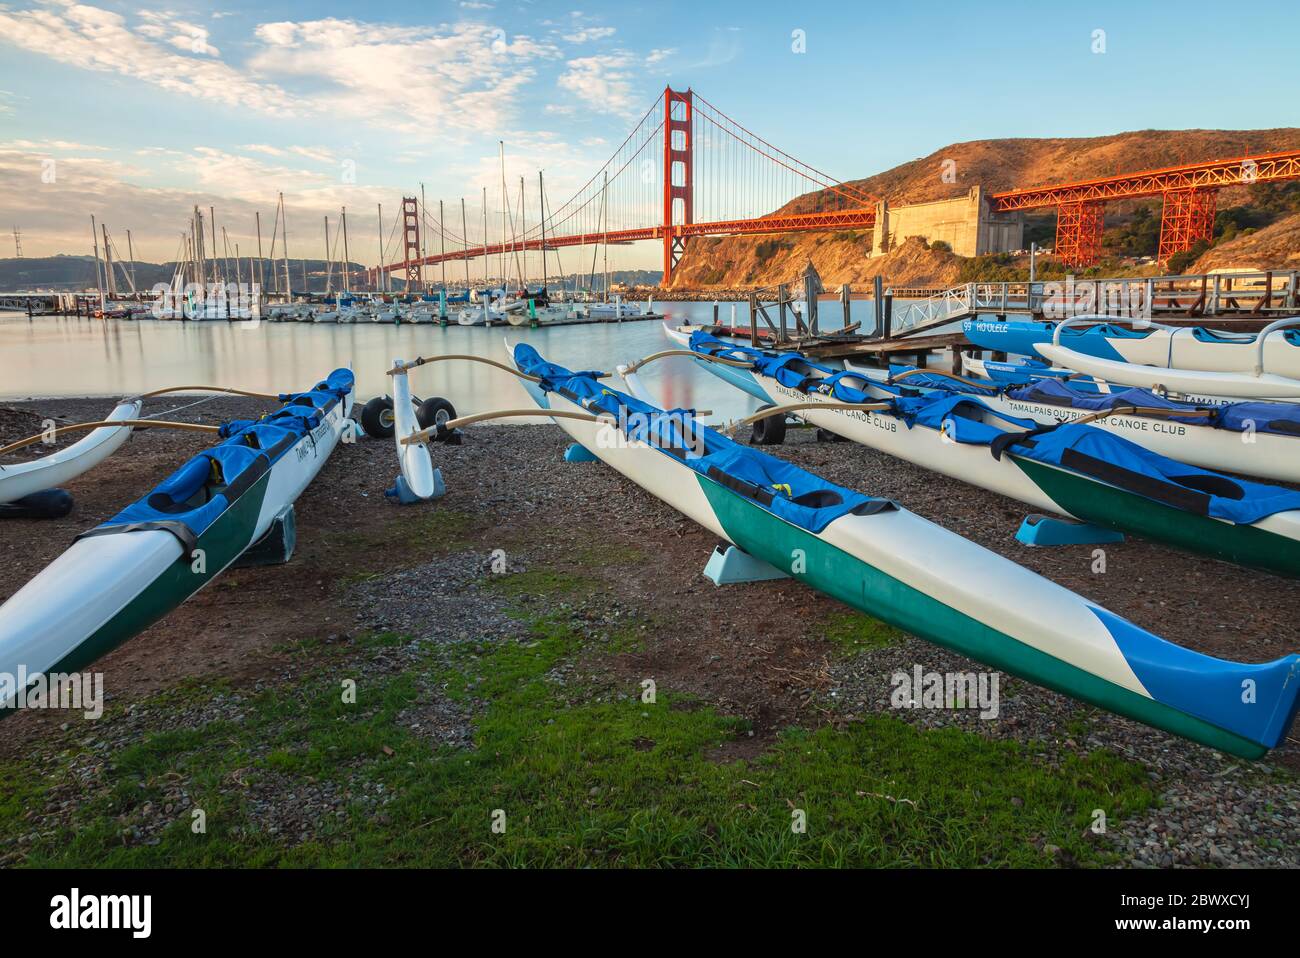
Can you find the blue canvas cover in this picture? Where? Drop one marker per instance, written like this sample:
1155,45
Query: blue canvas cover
248,451
1079,447
1223,497
797,496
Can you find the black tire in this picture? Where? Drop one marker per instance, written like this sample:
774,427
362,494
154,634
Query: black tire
433,412
377,418
769,431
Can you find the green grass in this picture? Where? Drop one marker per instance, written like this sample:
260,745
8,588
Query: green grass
853,632
611,781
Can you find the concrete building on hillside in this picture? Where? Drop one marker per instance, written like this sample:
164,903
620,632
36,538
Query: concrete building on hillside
966,224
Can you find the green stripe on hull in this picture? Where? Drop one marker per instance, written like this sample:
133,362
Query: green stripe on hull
1104,505
845,577
222,543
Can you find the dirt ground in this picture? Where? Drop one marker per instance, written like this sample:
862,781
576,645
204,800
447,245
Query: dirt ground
753,650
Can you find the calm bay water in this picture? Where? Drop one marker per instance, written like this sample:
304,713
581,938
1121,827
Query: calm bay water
57,356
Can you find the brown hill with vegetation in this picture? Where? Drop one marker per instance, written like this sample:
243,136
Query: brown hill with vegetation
1274,247
1004,164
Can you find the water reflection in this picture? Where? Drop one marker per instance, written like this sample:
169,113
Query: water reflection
63,356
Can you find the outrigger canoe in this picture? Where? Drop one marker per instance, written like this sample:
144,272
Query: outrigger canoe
127,573
1252,438
889,563
1152,345
23,478
1242,385
1071,469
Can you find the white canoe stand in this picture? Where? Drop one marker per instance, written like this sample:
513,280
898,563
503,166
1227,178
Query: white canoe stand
727,565
417,481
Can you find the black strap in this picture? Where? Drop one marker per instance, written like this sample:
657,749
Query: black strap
1169,493
746,489
189,541
1026,439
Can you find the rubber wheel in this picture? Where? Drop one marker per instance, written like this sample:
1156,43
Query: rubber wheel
377,418
769,431
433,412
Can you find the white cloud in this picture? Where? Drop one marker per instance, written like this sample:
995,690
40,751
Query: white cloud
97,39
414,80
588,34
181,34
601,82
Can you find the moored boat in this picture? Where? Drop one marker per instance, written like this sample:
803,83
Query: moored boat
120,577
883,560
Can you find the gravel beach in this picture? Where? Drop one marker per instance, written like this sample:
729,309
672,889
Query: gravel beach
760,652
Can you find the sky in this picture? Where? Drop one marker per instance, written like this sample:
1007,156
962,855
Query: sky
136,113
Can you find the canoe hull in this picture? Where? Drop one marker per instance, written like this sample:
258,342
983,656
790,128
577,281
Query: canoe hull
919,577
1272,544
106,589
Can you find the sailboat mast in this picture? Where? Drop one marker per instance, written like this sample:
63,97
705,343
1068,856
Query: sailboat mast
464,232
99,276
541,212
382,276
604,206
501,146
257,218
347,260
523,237
329,257
424,246
442,231
284,236
485,256
130,255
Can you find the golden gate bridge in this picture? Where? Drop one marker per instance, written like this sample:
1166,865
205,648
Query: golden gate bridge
687,170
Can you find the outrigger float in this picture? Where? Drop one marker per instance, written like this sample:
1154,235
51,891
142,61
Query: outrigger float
1151,344
876,556
120,577
1252,379
22,479
1071,469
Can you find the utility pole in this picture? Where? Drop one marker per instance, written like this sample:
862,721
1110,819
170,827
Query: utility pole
18,243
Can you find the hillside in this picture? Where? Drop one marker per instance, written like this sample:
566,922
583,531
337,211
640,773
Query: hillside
1274,247
995,164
